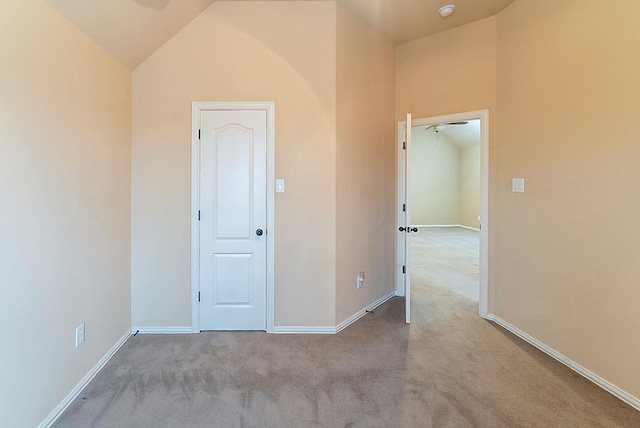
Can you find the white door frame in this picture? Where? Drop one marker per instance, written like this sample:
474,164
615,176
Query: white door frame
483,115
196,109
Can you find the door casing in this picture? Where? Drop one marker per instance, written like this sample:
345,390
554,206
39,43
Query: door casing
196,109
483,116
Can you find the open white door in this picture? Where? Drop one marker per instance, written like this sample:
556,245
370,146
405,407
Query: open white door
405,229
403,204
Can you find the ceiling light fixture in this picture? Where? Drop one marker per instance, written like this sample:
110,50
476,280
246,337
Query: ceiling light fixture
447,10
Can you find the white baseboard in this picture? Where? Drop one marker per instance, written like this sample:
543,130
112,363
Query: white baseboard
468,227
602,383
161,330
333,330
60,408
355,317
446,225
303,330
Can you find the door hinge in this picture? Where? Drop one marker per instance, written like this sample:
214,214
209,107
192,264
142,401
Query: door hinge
198,134
404,145
404,207
198,215
198,296
404,269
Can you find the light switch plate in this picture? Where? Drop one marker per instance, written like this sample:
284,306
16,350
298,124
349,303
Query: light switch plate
517,185
279,185
79,335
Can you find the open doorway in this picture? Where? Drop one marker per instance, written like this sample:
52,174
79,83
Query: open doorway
465,228
445,195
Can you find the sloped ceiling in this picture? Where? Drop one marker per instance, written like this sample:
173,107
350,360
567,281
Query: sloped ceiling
131,30
464,136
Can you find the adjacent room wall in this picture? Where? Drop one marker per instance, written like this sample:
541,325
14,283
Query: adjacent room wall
470,186
239,51
65,218
566,266
364,162
435,179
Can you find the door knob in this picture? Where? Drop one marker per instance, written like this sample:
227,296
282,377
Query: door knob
259,232
414,229
402,229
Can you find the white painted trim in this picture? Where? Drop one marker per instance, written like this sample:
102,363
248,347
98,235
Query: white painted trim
161,330
355,317
445,225
304,330
483,301
483,116
334,330
602,383
400,237
468,227
62,406
196,108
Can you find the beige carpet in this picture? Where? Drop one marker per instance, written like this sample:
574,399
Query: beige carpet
447,257
449,369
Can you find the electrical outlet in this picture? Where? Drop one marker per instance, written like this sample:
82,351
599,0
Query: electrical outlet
79,335
360,280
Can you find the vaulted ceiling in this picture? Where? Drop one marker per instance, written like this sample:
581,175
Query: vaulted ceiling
131,30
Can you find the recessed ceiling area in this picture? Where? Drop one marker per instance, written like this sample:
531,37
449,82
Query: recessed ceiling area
131,30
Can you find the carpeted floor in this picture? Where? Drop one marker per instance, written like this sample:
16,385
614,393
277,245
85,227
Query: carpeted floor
447,257
448,369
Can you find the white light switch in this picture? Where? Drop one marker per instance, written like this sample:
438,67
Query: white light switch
517,185
280,185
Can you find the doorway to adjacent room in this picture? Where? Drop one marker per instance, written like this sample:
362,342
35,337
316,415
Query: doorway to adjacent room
442,206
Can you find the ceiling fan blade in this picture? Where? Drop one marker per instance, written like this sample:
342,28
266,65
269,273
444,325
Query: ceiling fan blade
456,123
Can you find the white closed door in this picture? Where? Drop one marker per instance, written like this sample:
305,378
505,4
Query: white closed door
233,219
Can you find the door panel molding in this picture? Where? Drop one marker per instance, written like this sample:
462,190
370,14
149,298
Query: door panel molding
196,109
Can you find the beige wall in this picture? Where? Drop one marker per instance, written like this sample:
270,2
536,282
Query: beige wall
435,178
64,185
364,161
470,186
449,72
239,51
562,264
567,266
445,180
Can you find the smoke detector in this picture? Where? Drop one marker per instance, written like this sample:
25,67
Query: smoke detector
447,10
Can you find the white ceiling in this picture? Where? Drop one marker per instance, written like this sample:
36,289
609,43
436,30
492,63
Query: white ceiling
402,21
131,30
462,136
